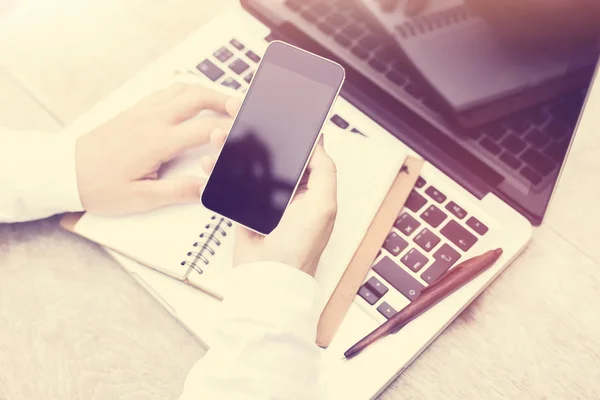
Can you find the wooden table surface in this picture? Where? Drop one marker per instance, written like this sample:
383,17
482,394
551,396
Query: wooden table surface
73,325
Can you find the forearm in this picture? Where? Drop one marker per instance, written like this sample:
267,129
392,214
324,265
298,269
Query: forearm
265,344
37,175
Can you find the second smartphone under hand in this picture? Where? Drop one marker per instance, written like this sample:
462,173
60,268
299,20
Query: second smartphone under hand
273,136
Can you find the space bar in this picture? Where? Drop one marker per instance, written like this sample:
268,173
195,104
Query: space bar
398,278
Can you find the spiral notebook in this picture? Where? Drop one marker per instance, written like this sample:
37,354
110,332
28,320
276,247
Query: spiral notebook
193,245
468,65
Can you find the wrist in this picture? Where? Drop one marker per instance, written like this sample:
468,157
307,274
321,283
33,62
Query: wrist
53,176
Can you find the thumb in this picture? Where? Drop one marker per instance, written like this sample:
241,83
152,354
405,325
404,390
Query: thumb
158,193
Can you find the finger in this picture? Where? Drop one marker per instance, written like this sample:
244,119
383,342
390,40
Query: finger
165,94
322,179
233,106
217,137
197,132
414,7
154,194
247,239
194,99
208,163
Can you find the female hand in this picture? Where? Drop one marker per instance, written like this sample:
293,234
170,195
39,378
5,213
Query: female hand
118,163
305,229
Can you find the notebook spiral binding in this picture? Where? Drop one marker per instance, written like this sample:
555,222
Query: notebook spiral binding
429,23
205,248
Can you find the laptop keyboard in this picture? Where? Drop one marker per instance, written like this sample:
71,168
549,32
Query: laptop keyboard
429,236
529,146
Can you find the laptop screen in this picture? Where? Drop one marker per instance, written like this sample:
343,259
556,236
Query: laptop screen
491,96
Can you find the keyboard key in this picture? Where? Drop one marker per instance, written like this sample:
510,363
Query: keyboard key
326,28
445,257
435,194
253,56
386,54
557,129
414,260
531,175
366,294
510,160
232,83
414,90
458,235
427,240
238,66
336,19
360,52
395,244
447,254
386,310
377,66
536,138
343,40
456,210
490,146
321,8
537,115
248,78
538,161
477,226
474,134
398,278
557,150
339,121
370,42
223,54
494,131
415,201
353,31
420,182
406,224
376,287
310,16
294,4
513,144
237,44
519,124
209,69
433,216
397,78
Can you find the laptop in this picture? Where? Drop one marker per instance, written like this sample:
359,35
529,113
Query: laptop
476,192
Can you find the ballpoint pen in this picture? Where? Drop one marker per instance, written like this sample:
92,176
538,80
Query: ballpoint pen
445,285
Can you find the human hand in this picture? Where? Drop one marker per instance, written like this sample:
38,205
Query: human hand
118,163
304,231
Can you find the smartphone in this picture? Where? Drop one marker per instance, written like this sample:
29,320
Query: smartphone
272,137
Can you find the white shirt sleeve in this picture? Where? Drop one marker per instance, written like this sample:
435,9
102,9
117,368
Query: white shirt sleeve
264,347
37,175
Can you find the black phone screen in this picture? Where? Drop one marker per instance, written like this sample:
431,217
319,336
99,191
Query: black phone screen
272,137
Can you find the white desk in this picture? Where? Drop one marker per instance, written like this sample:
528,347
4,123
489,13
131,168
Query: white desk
73,325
